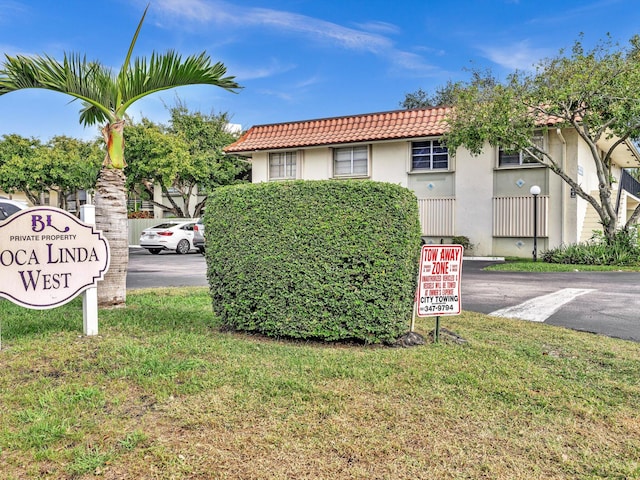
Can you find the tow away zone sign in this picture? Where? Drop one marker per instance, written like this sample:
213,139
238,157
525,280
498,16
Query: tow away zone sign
439,280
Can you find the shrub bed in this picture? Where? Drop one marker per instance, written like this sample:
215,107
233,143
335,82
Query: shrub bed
328,260
622,250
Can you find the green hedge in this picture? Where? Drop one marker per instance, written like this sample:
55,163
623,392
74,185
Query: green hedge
327,260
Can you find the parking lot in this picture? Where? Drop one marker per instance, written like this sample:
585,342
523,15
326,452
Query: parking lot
167,269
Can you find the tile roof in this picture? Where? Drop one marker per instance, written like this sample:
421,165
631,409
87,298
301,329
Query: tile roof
338,130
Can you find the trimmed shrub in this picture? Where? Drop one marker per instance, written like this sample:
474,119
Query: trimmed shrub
326,260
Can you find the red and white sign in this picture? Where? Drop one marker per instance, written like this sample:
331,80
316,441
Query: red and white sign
439,282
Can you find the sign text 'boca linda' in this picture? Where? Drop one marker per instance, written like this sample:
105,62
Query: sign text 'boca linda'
48,257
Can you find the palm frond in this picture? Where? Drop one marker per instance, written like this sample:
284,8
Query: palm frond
169,70
104,96
87,81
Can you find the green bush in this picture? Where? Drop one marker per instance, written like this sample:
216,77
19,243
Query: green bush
327,260
622,250
464,241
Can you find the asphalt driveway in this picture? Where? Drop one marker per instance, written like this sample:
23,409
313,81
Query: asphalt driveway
167,269
607,303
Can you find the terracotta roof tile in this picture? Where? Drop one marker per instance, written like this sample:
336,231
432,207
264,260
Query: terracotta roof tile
337,130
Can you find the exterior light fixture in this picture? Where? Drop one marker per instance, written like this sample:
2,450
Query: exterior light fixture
535,191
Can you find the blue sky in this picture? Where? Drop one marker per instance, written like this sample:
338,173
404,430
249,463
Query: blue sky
297,59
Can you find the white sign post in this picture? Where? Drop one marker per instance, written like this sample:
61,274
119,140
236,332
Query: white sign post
90,295
48,257
439,290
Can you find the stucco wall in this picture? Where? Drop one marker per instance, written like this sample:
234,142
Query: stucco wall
259,167
473,182
517,182
388,162
21,197
474,191
587,178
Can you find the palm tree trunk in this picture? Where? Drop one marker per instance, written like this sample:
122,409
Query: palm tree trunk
111,219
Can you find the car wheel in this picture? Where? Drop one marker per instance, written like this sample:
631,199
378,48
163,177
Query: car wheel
155,251
201,249
183,247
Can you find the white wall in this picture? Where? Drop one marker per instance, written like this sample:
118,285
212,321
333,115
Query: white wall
473,182
474,193
388,162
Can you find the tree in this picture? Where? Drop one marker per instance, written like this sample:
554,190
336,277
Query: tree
206,136
596,92
17,159
445,95
64,165
418,99
185,155
155,157
105,97
71,165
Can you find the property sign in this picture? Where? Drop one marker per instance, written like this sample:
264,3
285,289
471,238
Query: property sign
439,282
48,257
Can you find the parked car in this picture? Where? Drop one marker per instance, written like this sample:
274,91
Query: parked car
176,236
198,235
9,207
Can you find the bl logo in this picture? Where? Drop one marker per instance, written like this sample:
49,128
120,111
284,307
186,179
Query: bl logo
38,224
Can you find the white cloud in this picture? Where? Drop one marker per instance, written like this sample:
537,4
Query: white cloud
413,63
284,96
312,27
10,9
520,55
576,14
380,27
308,82
192,10
274,68
223,13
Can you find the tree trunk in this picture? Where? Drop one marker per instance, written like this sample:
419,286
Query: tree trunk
111,219
199,207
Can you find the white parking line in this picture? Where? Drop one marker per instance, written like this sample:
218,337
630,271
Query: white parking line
538,309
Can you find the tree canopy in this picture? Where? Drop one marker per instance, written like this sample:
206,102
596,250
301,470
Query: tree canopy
445,95
422,99
181,157
63,164
597,92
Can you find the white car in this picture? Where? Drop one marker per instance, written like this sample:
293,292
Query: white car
176,236
198,235
9,207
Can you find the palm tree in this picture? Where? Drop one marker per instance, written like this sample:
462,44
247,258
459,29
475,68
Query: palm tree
105,98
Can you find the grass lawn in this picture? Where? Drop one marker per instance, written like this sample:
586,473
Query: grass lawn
162,393
528,265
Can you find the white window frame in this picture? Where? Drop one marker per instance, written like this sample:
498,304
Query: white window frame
436,149
353,161
521,158
288,165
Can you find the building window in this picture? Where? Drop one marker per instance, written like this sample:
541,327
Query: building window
508,159
282,165
351,161
429,155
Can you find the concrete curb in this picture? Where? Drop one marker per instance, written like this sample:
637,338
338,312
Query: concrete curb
485,259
